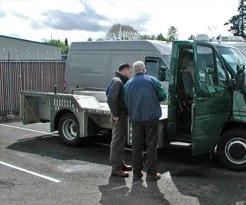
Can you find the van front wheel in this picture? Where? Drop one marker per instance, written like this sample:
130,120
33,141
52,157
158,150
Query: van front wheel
69,129
232,149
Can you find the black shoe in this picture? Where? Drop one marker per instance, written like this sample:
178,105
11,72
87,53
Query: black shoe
119,173
137,177
153,177
126,167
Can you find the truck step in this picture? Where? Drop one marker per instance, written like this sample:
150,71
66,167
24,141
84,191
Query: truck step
180,144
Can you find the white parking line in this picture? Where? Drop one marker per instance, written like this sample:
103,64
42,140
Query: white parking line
24,170
22,128
30,172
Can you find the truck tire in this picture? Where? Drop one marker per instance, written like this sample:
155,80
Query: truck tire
232,149
68,127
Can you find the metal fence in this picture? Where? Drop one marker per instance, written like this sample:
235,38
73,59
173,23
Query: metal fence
16,76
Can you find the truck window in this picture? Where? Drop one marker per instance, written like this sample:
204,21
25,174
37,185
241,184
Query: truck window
207,65
222,79
153,65
232,56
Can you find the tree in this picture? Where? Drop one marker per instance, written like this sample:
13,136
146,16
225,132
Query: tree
172,34
237,22
122,32
160,37
147,37
64,46
66,42
192,37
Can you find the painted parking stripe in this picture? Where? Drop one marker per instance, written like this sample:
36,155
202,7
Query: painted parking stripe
27,129
30,172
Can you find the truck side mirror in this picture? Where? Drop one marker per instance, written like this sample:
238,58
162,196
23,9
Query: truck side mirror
162,73
240,77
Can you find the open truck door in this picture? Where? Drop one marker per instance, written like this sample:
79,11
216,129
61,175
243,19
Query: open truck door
199,95
212,99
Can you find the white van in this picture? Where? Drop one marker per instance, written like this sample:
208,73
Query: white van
234,41
91,65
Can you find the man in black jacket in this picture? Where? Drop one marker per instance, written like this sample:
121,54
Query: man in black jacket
115,99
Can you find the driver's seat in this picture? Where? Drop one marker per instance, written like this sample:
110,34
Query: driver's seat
186,93
187,82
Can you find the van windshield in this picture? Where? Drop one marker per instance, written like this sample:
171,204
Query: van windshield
233,57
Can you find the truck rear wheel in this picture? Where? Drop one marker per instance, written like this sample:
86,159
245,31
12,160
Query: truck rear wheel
68,127
232,149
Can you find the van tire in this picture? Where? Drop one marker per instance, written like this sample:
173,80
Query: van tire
232,149
68,128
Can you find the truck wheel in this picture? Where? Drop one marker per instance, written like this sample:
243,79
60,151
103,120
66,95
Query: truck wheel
68,127
232,149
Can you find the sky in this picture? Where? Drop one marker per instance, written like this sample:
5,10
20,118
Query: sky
78,20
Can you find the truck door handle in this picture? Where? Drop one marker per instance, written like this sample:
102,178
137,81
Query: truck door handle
202,98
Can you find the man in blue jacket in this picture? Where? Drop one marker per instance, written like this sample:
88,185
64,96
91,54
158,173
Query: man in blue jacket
143,94
115,99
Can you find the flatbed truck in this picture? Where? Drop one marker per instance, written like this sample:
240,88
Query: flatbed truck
205,110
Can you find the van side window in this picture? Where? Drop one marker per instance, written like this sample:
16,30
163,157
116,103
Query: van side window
206,65
211,70
153,66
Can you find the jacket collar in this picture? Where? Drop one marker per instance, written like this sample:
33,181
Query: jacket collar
138,74
123,78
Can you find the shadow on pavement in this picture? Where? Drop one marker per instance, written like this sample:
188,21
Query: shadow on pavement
117,192
51,146
197,178
89,150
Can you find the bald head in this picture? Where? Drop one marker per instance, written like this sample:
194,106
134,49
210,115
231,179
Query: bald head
139,67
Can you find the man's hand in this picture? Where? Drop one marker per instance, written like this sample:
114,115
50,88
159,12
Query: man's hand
115,119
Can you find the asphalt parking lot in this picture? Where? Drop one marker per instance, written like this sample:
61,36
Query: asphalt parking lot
36,168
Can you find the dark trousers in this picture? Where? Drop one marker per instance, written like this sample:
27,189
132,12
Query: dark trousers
145,135
119,136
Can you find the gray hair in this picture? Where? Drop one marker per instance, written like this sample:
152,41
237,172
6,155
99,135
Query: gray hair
139,67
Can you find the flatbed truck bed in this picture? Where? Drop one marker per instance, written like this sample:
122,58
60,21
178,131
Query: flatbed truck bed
86,110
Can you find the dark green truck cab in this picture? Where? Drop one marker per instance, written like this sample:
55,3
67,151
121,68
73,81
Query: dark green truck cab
207,100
